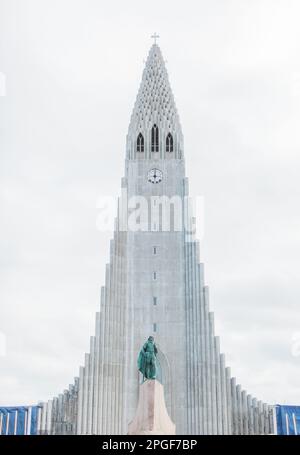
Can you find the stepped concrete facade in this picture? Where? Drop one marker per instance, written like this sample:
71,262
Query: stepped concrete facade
155,286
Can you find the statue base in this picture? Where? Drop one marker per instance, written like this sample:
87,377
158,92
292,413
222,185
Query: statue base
151,415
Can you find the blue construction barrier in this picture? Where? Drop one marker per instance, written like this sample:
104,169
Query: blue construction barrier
287,420
19,420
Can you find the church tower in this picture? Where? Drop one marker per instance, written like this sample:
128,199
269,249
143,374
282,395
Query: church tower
155,286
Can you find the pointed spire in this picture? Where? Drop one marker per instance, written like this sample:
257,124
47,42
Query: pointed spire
155,105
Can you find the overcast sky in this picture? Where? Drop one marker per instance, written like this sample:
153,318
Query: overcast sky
72,71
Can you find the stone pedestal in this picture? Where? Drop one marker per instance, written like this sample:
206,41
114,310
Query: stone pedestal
151,415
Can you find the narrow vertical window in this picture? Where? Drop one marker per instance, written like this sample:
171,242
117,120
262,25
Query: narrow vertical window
154,250
154,139
140,143
169,143
154,275
154,327
154,300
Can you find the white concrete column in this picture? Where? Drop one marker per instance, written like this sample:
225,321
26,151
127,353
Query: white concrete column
266,419
96,376
122,310
229,400
213,374
49,417
273,421
91,386
239,408
44,418
208,362
117,389
85,393
124,332
245,420
234,407
260,418
224,404
255,416
189,322
39,418
203,352
220,422
106,343
197,341
111,357
250,415
102,332
80,400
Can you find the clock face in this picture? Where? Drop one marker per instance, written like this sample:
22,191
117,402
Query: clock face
155,176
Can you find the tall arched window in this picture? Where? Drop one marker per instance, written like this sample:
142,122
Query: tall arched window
154,139
169,143
140,143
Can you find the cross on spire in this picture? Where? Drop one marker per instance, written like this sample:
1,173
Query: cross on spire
155,36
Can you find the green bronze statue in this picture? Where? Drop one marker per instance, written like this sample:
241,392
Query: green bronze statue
147,359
